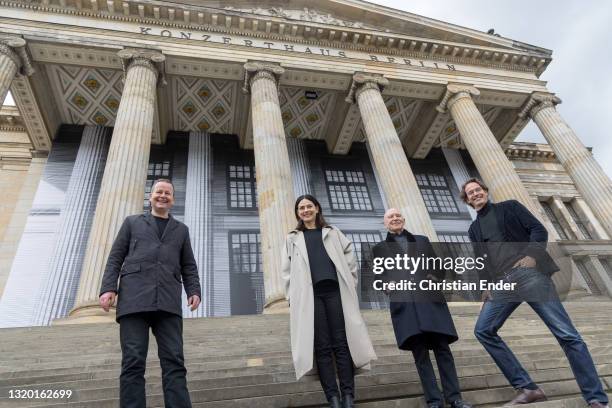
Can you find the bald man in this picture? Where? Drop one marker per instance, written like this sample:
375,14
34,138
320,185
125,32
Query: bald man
421,323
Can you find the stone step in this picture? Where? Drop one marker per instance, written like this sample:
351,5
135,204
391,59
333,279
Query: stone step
472,353
225,351
197,330
538,358
471,377
381,374
576,309
469,346
466,347
373,319
407,394
553,401
245,361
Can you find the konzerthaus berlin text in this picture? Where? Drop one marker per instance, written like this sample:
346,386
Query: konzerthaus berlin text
245,106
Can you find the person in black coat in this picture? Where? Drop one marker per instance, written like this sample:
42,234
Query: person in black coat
515,242
421,320
149,260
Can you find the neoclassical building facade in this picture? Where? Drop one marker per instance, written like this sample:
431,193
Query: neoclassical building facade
245,106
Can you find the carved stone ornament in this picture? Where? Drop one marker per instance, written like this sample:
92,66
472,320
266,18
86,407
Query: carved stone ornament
254,70
151,59
15,48
537,102
305,14
363,81
454,92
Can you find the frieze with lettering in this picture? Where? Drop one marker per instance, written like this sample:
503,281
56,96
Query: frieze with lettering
230,40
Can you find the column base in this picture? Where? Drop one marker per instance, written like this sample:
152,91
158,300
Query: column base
87,314
576,292
276,306
576,288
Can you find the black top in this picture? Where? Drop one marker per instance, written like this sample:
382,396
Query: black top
502,256
161,225
321,266
401,239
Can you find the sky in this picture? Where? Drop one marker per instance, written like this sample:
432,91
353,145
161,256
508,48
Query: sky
578,33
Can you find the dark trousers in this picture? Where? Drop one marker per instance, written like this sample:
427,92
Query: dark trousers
420,347
330,341
168,331
538,290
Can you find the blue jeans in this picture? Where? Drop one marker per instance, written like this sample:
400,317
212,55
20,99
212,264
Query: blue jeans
538,290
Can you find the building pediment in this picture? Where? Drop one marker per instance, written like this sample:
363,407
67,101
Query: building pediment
359,15
327,24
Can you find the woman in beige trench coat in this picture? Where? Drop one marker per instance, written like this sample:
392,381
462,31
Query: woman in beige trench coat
320,276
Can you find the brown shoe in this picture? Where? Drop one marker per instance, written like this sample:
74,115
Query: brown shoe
526,396
597,404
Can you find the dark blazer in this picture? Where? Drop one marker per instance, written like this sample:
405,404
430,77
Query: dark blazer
150,270
520,227
417,313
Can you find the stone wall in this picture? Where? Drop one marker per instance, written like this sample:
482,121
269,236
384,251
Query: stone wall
18,179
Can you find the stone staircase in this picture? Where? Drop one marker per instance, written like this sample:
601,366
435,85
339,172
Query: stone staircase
245,361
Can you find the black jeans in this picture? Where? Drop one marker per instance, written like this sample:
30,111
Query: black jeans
446,366
168,331
330,341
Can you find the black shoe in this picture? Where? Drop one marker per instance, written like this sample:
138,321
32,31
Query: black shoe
460,404
334,402
347,402
434,405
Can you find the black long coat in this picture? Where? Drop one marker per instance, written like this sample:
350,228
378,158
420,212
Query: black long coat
145,271
426,313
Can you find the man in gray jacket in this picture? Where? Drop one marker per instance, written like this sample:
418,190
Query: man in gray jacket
150,258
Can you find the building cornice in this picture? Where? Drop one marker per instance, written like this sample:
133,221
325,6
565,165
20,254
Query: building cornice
11,120
235,22
531,151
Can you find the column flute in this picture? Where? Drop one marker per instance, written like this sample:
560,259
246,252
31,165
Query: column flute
398,181
274,187
123,183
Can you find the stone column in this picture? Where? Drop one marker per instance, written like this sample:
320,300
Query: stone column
494,166
13,60
598,274
588,176
198,216
274,186
566,218
60,285
596,226
122,189
18,221
398,181
298,157
492,163
459,171
377,177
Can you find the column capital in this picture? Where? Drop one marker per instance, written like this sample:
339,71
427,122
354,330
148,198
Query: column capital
453,93
363,81
150,59
537,102
254,70
15,48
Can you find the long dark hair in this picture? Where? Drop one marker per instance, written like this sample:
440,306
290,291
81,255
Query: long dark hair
319,220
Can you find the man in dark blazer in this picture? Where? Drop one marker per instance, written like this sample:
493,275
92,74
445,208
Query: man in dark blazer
150,258
515,242
421,321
